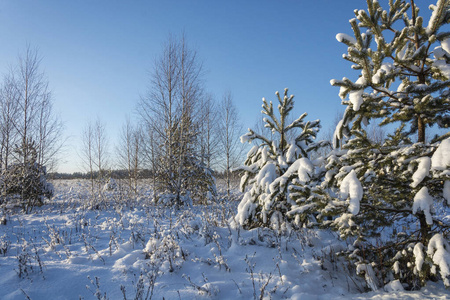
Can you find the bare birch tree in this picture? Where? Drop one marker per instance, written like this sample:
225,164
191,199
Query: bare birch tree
171,113
129,152
35,119
48,135
209,131
230,130
159,110
151,154
87,152
100,148
8,116
32,89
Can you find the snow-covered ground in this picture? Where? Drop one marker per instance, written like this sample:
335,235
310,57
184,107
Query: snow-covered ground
131,249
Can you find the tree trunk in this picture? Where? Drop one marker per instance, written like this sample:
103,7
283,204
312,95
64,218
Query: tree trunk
421,130
423,228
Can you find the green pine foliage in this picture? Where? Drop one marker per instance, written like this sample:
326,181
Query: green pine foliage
404,71
274,164
371,189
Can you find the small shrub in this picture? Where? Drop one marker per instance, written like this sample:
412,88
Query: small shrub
26,180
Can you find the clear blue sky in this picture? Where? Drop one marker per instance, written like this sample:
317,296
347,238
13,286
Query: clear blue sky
97,55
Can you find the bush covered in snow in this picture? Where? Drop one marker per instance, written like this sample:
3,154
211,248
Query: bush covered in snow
25,182
110,185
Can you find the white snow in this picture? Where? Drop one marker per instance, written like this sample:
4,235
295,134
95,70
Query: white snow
394,286
110,185
419,256
446,192
386,67
438,250
246,137
423,169
246,208
401,87
369,275
302,166
193,253
401,53
439,53
445,44
305,170
434,18
423,201
336,135
265,156
292,153
355,97
396,267
441,157
351,187
267,175
443,66
253,150
341,37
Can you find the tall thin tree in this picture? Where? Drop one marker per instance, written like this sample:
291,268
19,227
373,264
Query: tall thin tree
230,130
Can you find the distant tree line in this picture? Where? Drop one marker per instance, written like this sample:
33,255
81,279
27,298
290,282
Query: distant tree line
115,174
124,174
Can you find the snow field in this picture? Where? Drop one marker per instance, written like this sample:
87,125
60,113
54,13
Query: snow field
133,249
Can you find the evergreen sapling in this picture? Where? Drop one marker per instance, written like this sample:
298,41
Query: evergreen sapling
274,164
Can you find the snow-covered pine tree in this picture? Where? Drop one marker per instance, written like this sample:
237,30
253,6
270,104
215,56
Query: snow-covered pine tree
26,179
391,189
275,163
